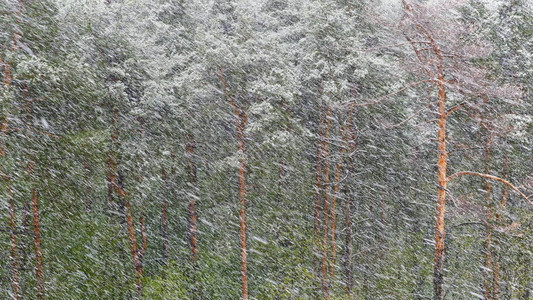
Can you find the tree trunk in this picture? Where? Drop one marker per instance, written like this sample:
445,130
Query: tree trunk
240,118
7,74
39,273
111,163
88,196
14,271
338,169
348,264
318,194
124,199
192,230
335,190
495,264
440,234
164,219
144,238
488,262
327,213
193,218
242,201
109,180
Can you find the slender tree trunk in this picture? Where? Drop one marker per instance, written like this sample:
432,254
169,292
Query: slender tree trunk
242,201
442,181
193,218
7,74
192,230
39,272
164,219
111,163
442,162
144,238
488,268
14,271
318,195
327,212
109,180
348,264
88,196
26,235
335,190
241,119
499,221
334,195
124,199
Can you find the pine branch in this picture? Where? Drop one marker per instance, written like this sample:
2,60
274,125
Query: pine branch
492,177
383,98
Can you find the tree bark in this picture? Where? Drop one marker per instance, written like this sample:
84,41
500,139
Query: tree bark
442,180
242,201
124,199
318,195
495,264
111,163
327,212
39,272
14,271
7,74
442,161
348,264
193,218
164,219
335,190
488,270
241,119
144,238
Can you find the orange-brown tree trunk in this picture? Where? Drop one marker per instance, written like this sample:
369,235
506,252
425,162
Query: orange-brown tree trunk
14,271
488,262
88,196
110,170
242,203
495,263
111,163
348,265
144,238
318,197
124,199
327,212
192,230
164,219
39,272
193,218
7,74
335,190
241,119
442,164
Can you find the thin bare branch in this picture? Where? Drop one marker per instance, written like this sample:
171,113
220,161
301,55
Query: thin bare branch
394,46
383,98
410,117
458,106
491,177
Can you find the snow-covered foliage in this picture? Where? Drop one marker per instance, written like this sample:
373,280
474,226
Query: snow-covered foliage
174,149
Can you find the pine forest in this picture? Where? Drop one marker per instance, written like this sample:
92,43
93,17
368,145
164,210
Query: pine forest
266,149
